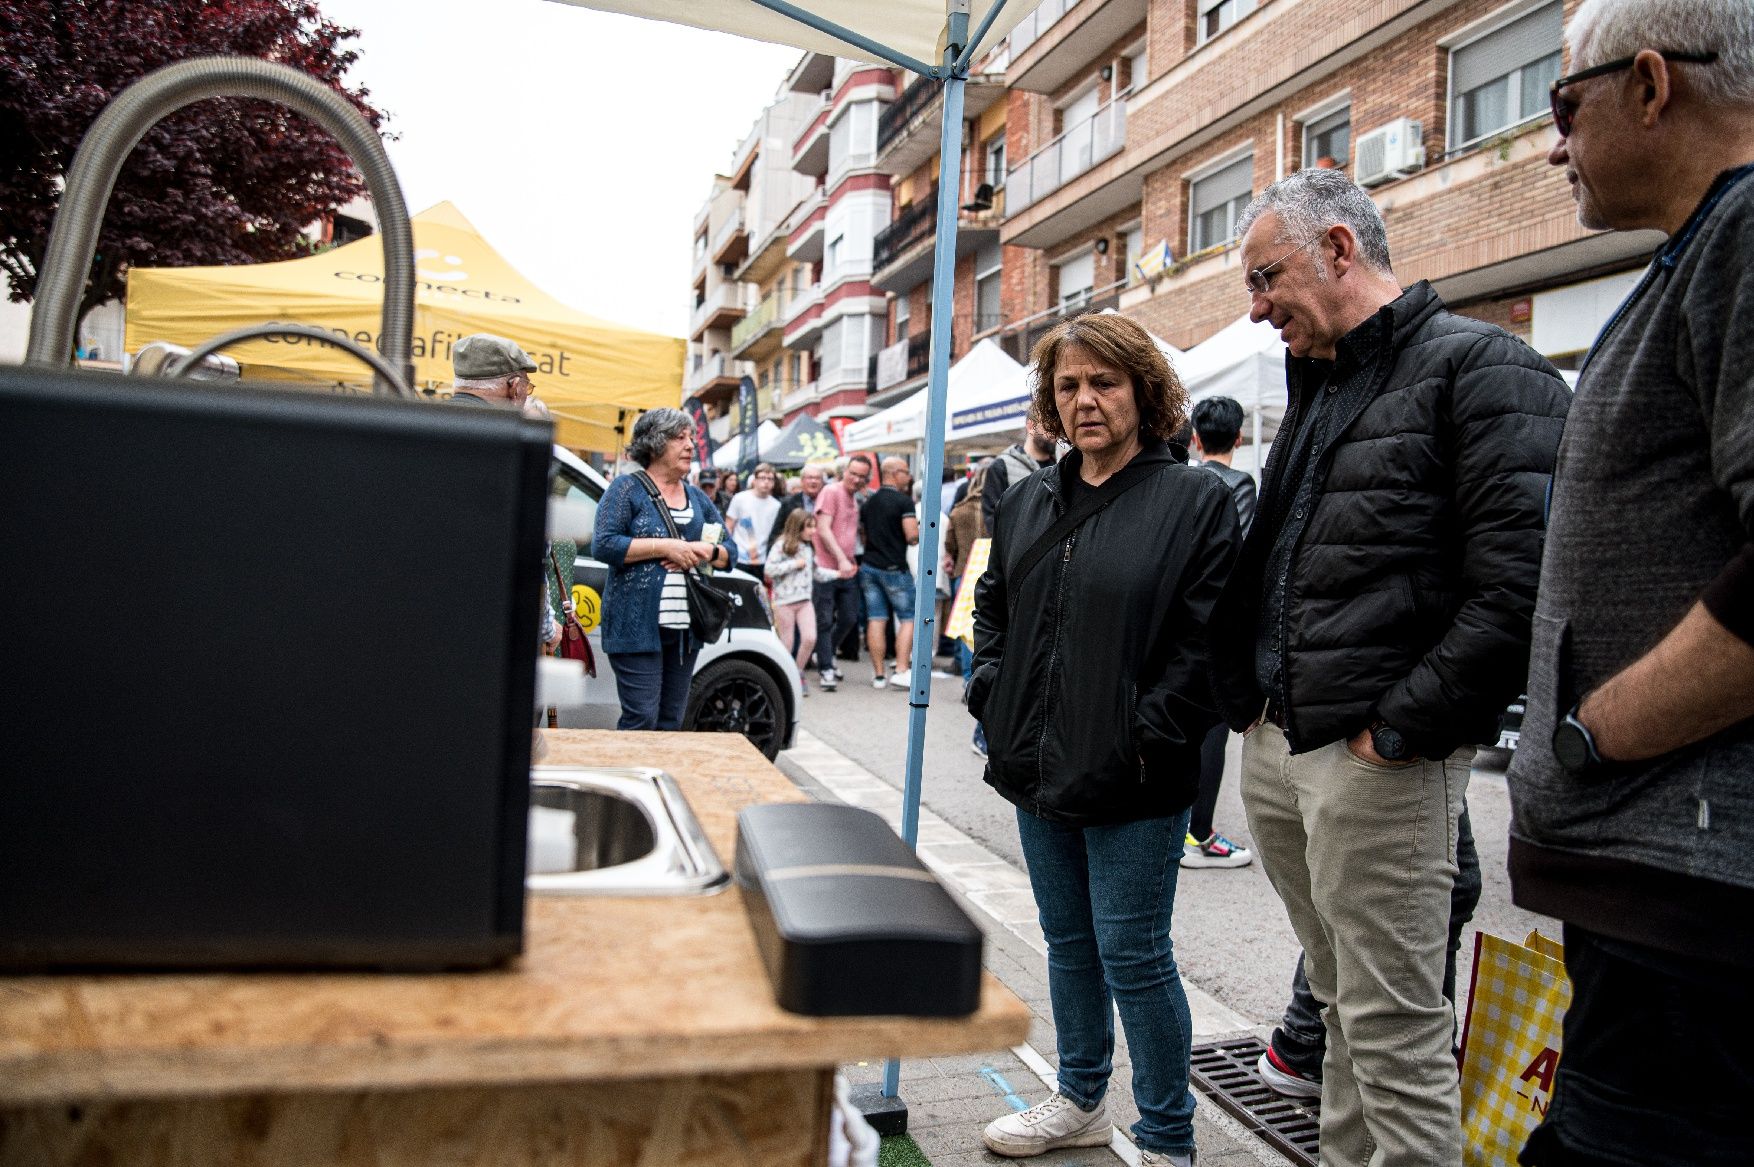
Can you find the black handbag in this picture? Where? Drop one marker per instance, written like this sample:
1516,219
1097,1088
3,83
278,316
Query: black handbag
709,609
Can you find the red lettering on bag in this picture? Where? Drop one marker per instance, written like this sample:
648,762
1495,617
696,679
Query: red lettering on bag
1542,1067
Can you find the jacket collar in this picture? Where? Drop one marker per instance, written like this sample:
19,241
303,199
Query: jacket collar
1671,251
1153,451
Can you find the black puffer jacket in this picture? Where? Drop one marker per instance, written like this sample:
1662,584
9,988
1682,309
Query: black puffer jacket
1416,533
1092,680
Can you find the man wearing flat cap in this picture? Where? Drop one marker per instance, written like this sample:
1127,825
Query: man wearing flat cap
490,370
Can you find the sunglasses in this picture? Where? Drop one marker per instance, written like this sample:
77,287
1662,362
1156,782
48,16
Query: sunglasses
1260,279
1564,111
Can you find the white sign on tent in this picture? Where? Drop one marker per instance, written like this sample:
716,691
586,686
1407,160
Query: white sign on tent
983,377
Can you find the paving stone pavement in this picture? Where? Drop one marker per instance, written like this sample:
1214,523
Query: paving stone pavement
951,1099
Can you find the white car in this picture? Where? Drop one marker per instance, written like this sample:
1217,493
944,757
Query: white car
744,682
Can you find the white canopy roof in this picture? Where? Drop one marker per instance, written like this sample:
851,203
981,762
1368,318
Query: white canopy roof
914,27
731,449
1245,361
987,391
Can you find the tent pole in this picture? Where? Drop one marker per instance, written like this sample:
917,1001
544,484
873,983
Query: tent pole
937,391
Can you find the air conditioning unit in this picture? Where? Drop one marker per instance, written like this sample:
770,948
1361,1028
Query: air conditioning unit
1392,151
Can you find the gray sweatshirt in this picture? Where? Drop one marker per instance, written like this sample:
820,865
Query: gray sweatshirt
1652,508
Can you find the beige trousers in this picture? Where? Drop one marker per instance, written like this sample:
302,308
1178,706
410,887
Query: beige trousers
1364,857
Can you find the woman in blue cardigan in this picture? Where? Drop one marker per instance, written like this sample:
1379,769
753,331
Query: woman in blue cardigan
645,605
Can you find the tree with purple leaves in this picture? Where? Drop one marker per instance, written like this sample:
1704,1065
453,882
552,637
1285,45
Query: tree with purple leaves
222,181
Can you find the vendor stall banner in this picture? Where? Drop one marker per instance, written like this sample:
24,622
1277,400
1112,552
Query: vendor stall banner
748,421
703,438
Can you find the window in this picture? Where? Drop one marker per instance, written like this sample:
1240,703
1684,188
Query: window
1218,15
1136,70
1501,78
831,257
1216,202
996,162
987,275
1329,136
853,139
1077,279
903,310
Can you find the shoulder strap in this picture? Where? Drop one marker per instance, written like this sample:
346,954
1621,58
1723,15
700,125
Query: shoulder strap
645,480
1089,502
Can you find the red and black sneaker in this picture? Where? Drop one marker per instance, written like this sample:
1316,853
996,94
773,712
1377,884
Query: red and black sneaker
1282,1079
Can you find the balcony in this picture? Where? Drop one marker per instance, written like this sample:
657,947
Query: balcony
901,362
731,241
756,336
793,399
1019,339
715,374
902,252
1062,38
805,228
1081,146
810,151
803,318
697,266
908,129
723,307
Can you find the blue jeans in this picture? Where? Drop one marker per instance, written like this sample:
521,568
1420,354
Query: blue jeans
887,593
837,613
1105,895
653,686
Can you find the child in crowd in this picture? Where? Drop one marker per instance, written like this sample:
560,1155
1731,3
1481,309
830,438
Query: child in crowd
791,564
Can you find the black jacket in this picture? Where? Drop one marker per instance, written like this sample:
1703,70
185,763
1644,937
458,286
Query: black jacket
1242,491
1090,673
1414,533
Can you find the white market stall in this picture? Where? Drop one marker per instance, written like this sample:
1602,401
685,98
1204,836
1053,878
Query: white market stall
986,387
1245,361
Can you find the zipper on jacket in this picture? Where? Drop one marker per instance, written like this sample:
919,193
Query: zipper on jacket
1053,662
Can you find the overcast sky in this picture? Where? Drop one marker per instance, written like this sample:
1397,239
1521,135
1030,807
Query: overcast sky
579,143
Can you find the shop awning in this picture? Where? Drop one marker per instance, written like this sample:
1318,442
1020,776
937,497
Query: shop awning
594,375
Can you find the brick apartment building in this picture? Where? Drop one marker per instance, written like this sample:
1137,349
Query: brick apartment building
1138,123
1107,130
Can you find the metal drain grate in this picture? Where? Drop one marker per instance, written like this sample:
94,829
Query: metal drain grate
1225,1070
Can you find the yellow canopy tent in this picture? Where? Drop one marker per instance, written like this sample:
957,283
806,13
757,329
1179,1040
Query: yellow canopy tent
593,375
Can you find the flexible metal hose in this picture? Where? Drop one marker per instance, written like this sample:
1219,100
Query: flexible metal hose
92,177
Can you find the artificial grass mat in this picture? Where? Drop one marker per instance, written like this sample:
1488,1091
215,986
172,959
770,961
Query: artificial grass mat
901,1151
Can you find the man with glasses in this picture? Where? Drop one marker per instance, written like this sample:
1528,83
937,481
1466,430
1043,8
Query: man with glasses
490,370
1632,792
1374,628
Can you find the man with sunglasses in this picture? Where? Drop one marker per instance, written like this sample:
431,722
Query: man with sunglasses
1376,625
1632,792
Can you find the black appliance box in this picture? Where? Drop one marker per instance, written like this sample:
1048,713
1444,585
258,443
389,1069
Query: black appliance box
270,669
849,922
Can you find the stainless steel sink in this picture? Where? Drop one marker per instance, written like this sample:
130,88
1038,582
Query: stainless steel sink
616,831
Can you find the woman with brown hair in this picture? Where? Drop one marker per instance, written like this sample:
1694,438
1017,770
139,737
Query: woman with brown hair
1090,677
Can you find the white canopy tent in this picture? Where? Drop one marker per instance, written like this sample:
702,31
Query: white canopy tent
985,382
1245,361
725,457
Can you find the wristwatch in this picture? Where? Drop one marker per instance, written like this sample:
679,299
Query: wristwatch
1575,746
1387,741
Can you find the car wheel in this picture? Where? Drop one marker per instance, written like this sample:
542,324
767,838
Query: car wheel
734,696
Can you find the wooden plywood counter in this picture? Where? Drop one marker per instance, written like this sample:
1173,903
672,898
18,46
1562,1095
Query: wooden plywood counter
637,1031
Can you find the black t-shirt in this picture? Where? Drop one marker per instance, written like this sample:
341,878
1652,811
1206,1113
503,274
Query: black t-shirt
885,541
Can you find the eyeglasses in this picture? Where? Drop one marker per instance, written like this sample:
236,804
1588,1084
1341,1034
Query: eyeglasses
1260,280
1563,111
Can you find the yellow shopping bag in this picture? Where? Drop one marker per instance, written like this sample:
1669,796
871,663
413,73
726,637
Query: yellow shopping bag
1510,1044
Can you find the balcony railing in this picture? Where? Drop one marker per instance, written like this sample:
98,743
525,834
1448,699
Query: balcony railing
716,367
899,114
803,395
726,230
902,361
912,225
1084,144
1019,339
724,298
1029,29
801,303
765,316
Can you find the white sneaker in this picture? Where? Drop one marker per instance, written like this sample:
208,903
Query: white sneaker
828,681
879,683
1048,1126
897,681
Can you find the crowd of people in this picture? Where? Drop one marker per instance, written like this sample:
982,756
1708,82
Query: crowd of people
1442,525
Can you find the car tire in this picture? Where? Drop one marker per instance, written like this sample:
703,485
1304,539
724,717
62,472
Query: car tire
735,696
